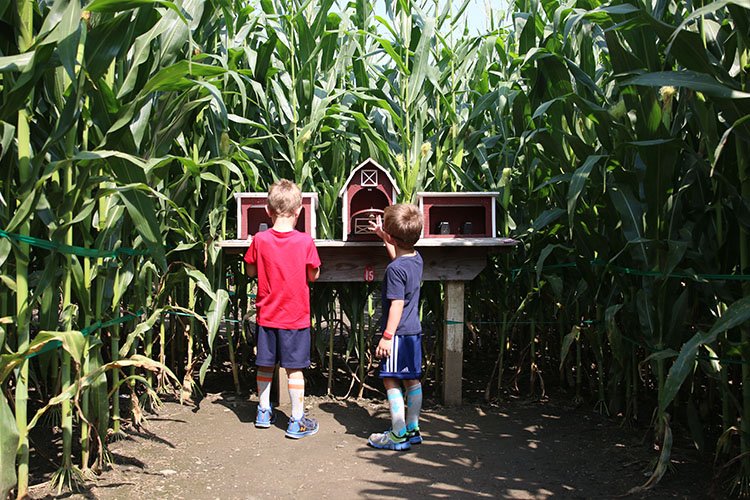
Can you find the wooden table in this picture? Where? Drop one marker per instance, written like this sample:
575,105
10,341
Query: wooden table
453,261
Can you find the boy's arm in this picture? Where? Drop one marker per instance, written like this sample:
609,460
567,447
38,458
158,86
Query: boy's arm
313,262
390,248
394,318
251,270
313,273
377,228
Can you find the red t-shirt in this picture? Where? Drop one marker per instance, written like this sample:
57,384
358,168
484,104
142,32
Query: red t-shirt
283,299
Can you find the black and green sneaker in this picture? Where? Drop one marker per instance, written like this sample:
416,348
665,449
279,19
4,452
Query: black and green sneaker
414,436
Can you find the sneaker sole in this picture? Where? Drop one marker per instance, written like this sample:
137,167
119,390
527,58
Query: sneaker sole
416,440
394,446
302,434
262,425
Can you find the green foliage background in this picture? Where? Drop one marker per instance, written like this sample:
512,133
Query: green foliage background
616,133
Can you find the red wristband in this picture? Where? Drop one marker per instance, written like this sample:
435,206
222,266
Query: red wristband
387,335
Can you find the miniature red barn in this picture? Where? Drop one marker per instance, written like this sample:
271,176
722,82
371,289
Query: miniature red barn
458,215
252,216
366,192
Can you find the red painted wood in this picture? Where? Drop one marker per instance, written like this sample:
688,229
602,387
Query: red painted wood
456,211
254,214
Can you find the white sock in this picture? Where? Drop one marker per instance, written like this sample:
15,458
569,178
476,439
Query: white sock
414,402
264,379
297,396
396,403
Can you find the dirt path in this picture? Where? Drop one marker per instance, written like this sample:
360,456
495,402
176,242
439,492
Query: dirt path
535,450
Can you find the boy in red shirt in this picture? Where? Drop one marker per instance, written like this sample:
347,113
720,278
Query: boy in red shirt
284,260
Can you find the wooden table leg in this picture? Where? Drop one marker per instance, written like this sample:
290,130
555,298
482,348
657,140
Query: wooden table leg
453,342
281,383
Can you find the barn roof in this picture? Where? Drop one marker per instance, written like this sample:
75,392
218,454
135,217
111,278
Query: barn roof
378,166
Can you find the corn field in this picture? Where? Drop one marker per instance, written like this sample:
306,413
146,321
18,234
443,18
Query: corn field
616,133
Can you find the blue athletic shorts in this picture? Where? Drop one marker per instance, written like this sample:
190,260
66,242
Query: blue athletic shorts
405,361
289,348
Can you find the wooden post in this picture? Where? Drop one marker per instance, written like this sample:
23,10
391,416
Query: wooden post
280,387
453,342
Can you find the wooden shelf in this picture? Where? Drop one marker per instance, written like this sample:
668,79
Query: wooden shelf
445,259
424,242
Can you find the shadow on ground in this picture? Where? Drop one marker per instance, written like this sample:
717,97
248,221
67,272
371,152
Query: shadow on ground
519,450
468,453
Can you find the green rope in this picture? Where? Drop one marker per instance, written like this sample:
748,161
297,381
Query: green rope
700,356
593,322
87,331
636,343
454,322
70,249
122,319
636,272
180,313
723,360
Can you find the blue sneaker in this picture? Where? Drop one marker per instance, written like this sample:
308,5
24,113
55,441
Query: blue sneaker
264,418
389,441
305,426
414,436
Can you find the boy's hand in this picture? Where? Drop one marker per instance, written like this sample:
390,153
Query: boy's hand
383,350
376,227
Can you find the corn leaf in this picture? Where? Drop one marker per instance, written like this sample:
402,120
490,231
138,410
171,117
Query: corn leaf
735,315
699,82
121,5
215,314
577,183
72,341
568,340
8,447
18,62
83,383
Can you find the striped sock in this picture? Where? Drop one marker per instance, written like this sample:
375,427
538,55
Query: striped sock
396,402
264,379
414,400
297,395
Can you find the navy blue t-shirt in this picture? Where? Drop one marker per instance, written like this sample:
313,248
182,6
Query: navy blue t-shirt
403,277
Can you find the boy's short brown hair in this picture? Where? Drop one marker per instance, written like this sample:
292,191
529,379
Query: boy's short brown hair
284,198
403,222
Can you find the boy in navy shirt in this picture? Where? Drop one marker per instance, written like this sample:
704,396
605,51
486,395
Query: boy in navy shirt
400,347
284,260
